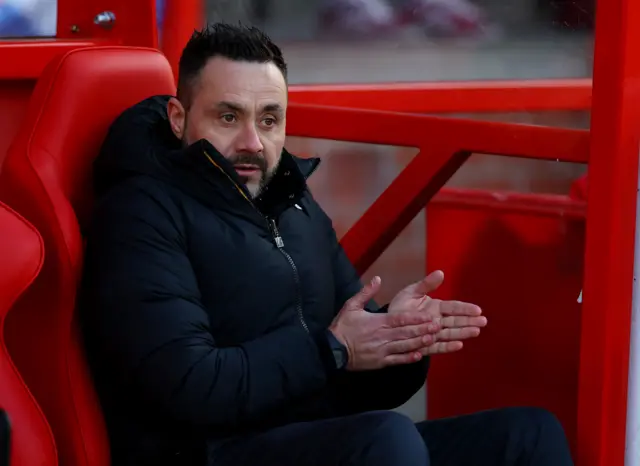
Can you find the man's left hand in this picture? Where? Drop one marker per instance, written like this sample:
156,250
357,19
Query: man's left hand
458,321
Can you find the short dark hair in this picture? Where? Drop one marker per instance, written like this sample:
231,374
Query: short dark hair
235,42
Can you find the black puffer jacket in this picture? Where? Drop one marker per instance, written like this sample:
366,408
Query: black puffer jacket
199,327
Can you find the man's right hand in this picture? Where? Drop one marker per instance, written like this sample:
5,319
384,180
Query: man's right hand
377,340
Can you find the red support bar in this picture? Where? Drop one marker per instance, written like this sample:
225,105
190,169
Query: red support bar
181,18
512,202
611,221
408,130
452,97
445,144
407,195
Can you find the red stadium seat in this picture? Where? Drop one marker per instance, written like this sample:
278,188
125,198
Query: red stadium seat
47,178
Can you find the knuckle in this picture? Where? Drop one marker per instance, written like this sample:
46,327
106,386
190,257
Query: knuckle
415,344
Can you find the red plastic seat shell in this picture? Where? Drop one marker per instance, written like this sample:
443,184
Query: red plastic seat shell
47,178
22,253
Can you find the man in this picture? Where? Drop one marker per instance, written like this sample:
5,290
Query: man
224,323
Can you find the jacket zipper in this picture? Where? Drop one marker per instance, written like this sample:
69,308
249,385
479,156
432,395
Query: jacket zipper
296,276
279,242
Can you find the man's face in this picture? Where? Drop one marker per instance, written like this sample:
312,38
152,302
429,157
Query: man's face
240,108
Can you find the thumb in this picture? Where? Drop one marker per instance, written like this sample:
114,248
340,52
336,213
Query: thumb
431,282
366,294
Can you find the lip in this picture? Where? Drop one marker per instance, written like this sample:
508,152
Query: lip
246,170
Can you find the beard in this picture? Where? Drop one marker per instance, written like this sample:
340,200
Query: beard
255,187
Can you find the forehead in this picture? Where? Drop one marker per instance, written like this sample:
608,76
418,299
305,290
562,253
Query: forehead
245,83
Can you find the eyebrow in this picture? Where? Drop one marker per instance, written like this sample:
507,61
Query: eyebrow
223,106
230,106
273,108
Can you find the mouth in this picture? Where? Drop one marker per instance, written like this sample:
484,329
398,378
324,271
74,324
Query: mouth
244,170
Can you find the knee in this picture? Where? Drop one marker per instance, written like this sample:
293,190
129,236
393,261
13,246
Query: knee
537,434
536,421
394,440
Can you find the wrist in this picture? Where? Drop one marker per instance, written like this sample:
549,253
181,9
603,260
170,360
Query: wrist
338,348
329,347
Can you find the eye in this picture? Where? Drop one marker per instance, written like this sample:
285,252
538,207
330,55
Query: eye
228,118
269,121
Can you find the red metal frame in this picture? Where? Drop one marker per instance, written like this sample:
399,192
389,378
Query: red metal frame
444,143
613,178
522,203
180,19
452,97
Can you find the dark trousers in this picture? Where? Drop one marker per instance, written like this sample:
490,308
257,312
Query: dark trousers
504,437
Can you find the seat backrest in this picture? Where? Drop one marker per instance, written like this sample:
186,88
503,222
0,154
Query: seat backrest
47,178
22,252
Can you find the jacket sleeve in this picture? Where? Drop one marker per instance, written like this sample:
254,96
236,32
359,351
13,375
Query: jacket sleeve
369,390
146,321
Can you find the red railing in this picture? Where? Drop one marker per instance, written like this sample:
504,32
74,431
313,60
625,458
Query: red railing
452,97
444,143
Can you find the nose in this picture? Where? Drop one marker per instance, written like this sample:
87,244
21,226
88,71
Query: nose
249,140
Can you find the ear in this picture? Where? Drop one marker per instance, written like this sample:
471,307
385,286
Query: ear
177,117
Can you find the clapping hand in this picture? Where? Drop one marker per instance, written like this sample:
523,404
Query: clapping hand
458,321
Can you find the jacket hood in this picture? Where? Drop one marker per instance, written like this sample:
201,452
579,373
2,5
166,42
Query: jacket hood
140,142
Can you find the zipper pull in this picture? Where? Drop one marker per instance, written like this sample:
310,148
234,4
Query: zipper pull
276,235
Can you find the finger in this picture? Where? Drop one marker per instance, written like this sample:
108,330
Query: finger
366,294
409,345
459,308
399,359
431,282
403,319
460,321
410,331
455,334
442,347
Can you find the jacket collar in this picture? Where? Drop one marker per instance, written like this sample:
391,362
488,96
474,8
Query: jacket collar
224,189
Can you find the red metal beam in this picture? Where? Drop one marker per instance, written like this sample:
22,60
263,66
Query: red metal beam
452,97
539,204
445,144
181,18
423,131
407,195
611,217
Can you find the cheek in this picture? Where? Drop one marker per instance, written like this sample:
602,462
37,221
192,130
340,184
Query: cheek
273,144
221,139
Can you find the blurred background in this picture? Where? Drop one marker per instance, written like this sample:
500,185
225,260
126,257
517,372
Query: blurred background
373,41
361,41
